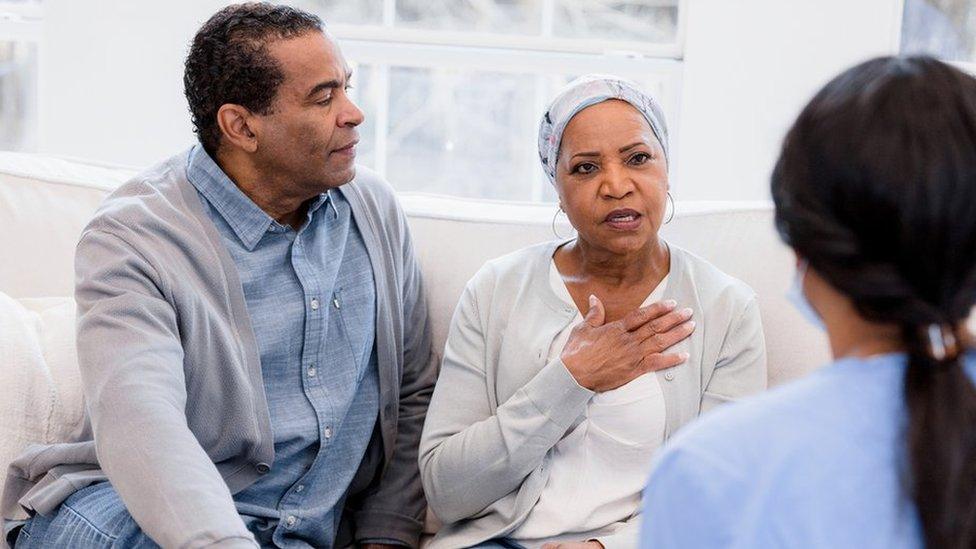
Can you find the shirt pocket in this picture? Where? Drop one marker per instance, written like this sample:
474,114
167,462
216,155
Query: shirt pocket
354,309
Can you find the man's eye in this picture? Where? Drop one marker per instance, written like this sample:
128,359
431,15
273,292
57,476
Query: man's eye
325,101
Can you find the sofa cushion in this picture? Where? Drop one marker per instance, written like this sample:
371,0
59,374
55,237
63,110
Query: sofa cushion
42,398
44,204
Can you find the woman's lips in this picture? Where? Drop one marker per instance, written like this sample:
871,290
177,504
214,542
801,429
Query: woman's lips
623,220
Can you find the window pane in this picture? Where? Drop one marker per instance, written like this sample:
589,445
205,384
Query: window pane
653,21
491,16
462,133
943,28
360,12
366,94
18,93
458,133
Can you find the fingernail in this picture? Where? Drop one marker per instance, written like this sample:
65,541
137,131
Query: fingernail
592,300
670,303
684,356
691,324
686,312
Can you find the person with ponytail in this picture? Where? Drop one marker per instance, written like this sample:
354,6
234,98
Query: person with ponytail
875,191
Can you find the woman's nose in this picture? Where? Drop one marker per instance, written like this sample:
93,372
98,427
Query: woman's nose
616,182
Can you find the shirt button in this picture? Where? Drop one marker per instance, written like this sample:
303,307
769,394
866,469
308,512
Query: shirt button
290,521
315,303
262,468
300,488
327,432
311,371
669,376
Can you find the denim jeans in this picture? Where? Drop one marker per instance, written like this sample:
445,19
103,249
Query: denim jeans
93,517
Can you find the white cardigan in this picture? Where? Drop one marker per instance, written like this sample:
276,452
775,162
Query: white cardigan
499,405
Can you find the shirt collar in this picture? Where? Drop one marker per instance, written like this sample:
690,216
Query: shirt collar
321,200
248,221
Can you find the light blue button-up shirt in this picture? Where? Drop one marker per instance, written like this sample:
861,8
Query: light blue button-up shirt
312,302
816,463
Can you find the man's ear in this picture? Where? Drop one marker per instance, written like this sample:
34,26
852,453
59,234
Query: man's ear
235,124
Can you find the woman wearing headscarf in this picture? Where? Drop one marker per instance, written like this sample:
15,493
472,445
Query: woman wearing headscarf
568,363
875,190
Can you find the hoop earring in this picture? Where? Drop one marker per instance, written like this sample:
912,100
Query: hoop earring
671,200
554,216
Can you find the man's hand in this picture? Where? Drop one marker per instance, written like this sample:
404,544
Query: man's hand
592,544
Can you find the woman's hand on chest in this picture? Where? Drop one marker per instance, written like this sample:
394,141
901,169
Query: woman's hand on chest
602,356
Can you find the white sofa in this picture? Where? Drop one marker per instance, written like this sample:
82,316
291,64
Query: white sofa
45,202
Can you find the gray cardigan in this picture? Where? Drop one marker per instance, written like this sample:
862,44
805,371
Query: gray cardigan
499,407
172,376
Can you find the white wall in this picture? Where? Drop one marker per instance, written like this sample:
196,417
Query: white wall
750,66
111,80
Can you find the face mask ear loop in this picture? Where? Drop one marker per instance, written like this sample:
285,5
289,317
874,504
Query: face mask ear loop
799,299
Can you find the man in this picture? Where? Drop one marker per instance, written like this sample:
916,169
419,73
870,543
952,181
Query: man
252,331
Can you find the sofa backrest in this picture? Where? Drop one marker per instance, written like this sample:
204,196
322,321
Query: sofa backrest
46,201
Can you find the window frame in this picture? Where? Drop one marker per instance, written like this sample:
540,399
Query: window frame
383,46
21,21
24,22
389,32
896,40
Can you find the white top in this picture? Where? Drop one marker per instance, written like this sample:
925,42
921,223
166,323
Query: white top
600,466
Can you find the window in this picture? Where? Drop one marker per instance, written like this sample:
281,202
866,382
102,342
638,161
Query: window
19,36
943,28
453,89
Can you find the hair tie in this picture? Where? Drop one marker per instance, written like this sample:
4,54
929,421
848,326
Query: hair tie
942,342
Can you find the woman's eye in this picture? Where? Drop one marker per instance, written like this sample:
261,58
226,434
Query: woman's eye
639,158
585,168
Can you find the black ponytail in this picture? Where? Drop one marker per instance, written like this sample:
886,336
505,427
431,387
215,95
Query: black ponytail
941,440
876,188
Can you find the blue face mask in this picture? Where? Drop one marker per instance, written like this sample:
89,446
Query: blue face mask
800,301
